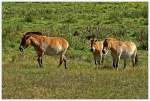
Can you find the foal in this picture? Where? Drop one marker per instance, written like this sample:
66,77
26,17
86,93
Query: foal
96,49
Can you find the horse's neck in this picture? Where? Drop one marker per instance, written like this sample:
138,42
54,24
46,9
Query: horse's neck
114,45
35,41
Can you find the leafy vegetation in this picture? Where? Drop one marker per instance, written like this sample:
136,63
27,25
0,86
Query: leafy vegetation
123,20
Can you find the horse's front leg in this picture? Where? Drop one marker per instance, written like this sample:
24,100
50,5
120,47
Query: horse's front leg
100,60
103,56
117,62
125,62
65,61
40,55
95,61
60,61
133,60
114,62
39,61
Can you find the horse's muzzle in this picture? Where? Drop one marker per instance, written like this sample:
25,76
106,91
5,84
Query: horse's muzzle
21,49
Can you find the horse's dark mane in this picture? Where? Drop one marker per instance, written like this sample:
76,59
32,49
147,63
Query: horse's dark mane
30,33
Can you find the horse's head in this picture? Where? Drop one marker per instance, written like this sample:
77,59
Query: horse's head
94,46
93,42
25,42
107,45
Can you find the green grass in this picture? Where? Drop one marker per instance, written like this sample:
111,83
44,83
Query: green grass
21,77
127,21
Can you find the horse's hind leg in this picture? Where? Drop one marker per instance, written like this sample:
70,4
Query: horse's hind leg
60,61
65,61
95,61
103,56
133,61
125,63
117,61
41,61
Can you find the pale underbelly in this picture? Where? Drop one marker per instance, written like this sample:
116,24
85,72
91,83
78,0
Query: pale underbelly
53,51
126,55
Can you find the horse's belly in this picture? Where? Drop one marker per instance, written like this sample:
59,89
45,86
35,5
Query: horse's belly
125,55
52,51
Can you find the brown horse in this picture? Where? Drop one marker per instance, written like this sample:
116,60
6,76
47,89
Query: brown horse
96,48
45,45
121,49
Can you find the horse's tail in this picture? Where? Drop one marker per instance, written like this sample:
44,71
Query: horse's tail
136,59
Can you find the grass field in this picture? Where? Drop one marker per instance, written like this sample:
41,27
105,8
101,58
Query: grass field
23,79
21,76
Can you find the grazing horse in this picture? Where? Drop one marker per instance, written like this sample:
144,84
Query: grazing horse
121,49
45,45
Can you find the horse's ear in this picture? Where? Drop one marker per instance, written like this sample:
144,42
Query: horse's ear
96,40
25,33
106,39
27,36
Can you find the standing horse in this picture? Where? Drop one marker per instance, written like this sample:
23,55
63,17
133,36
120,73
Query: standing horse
45,45
121,49
96,48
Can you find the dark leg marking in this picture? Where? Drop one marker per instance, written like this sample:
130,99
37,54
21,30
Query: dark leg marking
39,61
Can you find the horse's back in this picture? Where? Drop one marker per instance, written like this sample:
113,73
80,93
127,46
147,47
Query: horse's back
57,41
130,45
129,48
